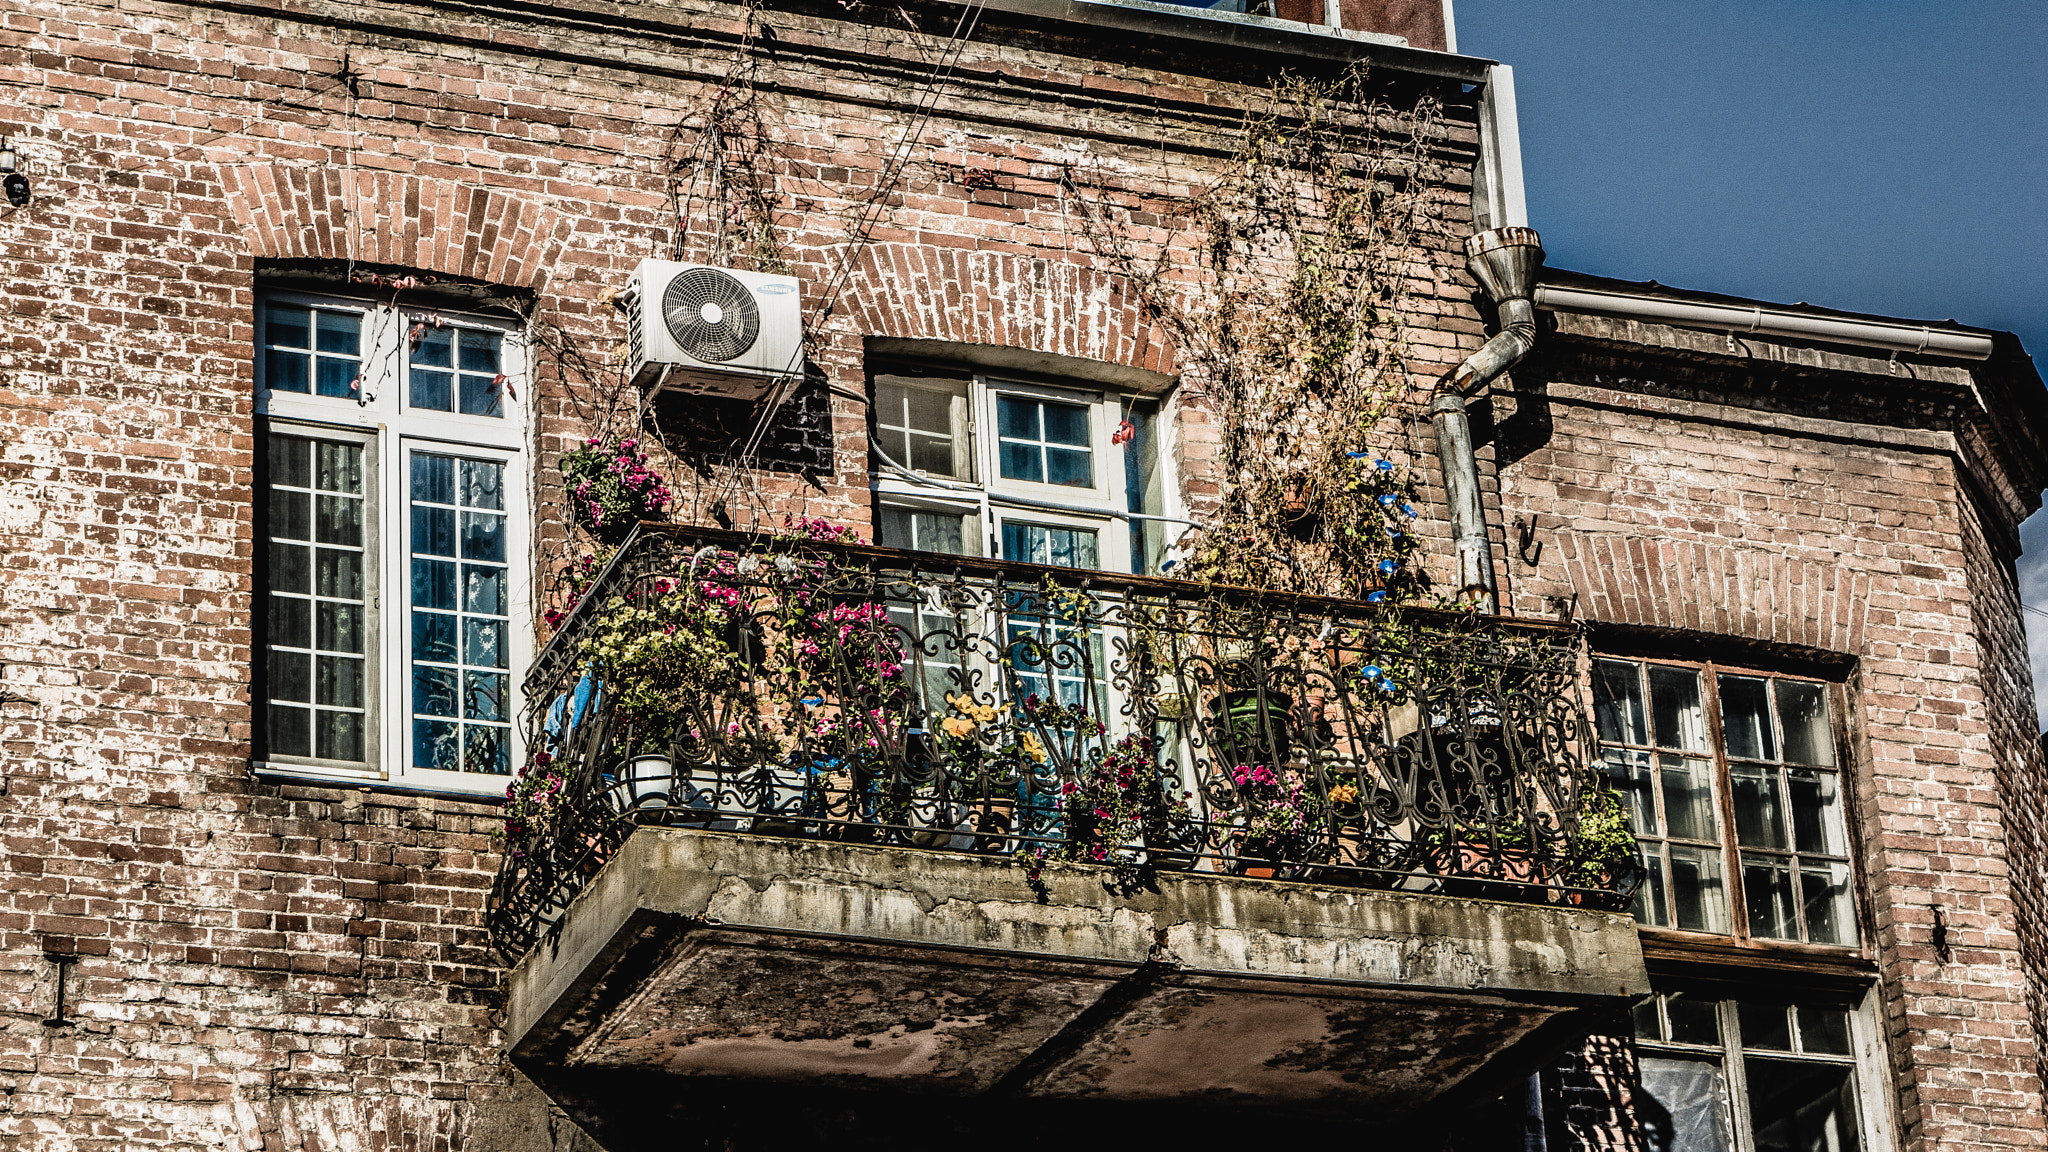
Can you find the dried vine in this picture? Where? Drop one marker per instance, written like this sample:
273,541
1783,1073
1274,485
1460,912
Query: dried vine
1291,326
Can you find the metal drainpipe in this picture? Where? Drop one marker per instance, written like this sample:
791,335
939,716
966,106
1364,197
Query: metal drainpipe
1504,261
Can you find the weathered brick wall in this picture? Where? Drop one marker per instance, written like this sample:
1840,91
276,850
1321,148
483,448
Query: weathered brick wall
280,967
1677,487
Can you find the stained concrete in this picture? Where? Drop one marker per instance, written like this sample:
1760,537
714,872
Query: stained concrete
697,955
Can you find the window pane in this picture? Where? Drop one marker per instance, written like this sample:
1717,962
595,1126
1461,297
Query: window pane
1652,904
1681,721
483,485
483,536
1759,811
1699,895
483,697
1823,1030
1816,811
1023,462
894,530
433,531
1065,423
931,454
433,583
1628,772
433,478
433,637
1803,712
340,574
1824,898
291,568
480,395
341,332
1765,1025
336,377
341,627
928,411
1746,718
339,682
486,748
288,327
291,622
340,468
1796,1106
433,390
1618,702
339,735
433,691
483,589
1069,467
479,352
1039,544
291,677
433,745
482,643
1018,418
290,462
289,729
1688,797
287,371
434,349
1683,1106
1767,895
1693,1021
340,520
1648,1026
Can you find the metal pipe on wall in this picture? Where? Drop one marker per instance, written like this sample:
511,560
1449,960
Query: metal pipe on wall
1504,261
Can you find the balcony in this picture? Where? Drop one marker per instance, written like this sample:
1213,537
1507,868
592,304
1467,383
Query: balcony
808,812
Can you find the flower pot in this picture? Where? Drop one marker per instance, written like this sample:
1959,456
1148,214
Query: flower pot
1239,726
641,783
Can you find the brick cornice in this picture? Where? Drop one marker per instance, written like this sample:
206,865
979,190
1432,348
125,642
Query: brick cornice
396,219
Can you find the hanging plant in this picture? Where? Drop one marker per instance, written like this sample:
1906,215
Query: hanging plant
614,486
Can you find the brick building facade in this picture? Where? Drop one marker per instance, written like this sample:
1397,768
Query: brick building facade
224,931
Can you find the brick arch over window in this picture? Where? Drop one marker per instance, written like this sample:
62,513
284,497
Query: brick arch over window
1003,299
410,221
1713,588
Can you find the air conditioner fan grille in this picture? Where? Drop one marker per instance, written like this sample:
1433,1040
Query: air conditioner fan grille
712,315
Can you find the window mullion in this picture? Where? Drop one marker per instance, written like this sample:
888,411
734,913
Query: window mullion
1737,1075
1731,851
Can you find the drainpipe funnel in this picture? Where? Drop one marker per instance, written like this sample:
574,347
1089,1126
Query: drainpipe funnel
1504,261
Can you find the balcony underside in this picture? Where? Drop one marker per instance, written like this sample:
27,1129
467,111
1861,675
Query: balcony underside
697,957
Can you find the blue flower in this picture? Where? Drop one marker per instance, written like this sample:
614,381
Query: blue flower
1408,511
1371,672
1356,455
1375,597
1389,687
1388,500
1389,567
814,701
1384,465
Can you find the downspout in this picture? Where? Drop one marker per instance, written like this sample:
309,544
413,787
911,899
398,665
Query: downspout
1504,261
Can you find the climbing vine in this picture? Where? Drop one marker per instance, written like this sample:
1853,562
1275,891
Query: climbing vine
1291,327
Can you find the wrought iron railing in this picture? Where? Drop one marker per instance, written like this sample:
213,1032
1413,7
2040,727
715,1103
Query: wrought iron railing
812,688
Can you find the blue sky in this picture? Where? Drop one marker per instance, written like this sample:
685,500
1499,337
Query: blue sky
1879,156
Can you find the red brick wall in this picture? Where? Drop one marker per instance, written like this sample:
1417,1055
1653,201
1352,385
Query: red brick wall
281,967
1666,497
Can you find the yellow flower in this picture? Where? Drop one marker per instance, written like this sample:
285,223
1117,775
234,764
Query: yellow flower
1032,748
956,727
1343,794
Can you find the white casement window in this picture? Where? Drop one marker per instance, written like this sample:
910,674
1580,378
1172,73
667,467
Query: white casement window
1761,1073
392,503
982,466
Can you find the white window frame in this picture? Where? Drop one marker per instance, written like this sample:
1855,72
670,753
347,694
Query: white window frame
380,417
991,500
1867,1058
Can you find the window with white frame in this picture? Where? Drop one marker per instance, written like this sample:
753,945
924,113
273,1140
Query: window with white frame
1059,474
1736,798
1743,1073
392,506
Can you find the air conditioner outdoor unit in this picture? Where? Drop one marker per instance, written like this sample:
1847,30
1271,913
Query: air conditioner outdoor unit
712,331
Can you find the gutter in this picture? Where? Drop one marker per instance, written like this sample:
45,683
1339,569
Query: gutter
1923,339
1504,261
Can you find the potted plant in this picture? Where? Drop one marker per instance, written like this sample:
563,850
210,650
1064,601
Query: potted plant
1247,724
1277,822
